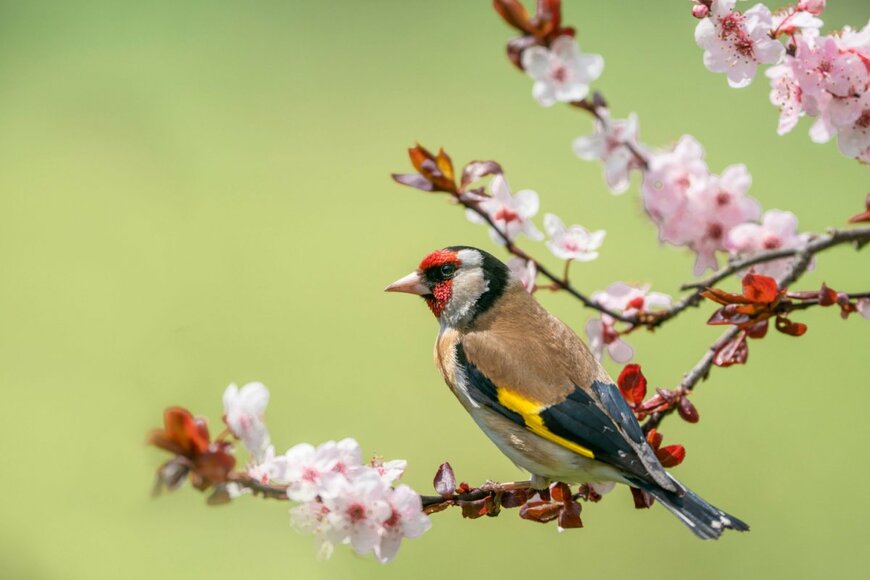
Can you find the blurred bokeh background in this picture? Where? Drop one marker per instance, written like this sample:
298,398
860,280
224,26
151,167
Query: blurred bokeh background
197,193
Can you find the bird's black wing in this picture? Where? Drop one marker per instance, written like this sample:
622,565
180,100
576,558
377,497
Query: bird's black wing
598,424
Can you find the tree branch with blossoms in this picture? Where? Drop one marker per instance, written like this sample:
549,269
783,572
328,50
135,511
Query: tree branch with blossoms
341,499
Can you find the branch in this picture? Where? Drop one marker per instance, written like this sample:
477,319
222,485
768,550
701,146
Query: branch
558,283
804,255
267,490
816,244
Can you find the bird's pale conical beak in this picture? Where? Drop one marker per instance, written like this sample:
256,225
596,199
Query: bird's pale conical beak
412,284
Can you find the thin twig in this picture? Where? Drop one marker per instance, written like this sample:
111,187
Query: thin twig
267,490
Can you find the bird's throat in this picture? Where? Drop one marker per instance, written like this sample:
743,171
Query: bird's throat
441,294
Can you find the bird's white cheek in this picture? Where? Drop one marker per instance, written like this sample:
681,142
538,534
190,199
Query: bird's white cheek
467,290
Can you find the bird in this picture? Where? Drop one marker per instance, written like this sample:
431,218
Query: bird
536,390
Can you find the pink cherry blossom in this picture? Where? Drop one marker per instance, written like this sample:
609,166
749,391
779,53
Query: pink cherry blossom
785,93
777,230
736,43
574,243
603,336
610,144
814,7
389,471
310,471
829,79
863,305
243,414
668,181
712,212
794,19
511,214
269,467
525,271
406,520
358,509
562,73
310,518
629,300
347,453
853,139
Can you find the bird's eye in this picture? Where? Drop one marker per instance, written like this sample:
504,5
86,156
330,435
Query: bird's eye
448,270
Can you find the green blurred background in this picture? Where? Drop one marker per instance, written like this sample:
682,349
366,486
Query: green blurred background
197,193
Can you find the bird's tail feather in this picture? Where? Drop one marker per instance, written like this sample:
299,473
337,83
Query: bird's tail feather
706,521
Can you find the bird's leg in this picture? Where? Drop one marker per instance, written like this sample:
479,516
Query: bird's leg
539,482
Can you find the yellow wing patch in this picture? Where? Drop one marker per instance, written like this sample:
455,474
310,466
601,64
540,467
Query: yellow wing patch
530,411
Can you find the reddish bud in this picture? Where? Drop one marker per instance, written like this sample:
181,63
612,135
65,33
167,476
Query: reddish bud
864,216
514,498
786,326
654,438
757,330
560,492
672,455
734,352
642,500
540,511
632,384
437,507
569,517
445,480
759,288
700,11
477,170
827,296
687,411
474,509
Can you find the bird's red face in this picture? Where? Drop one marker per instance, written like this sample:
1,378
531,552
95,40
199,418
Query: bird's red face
433,280
457,283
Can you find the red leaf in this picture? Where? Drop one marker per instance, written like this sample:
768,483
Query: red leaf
514,498
632,384
759,288
514,13
722,297
548,17
182,434
688,411
437,507
560,492
672,455
445,164
473,509
758,330
864,216
827,296
786,326
654,438
540,511
569,517
419,156
477,170
642,500
445,480
734,352
414,180
437,170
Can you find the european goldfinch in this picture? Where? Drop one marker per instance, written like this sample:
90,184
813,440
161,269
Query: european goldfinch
536,390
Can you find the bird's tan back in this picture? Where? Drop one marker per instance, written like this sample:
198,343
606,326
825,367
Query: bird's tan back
554,358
